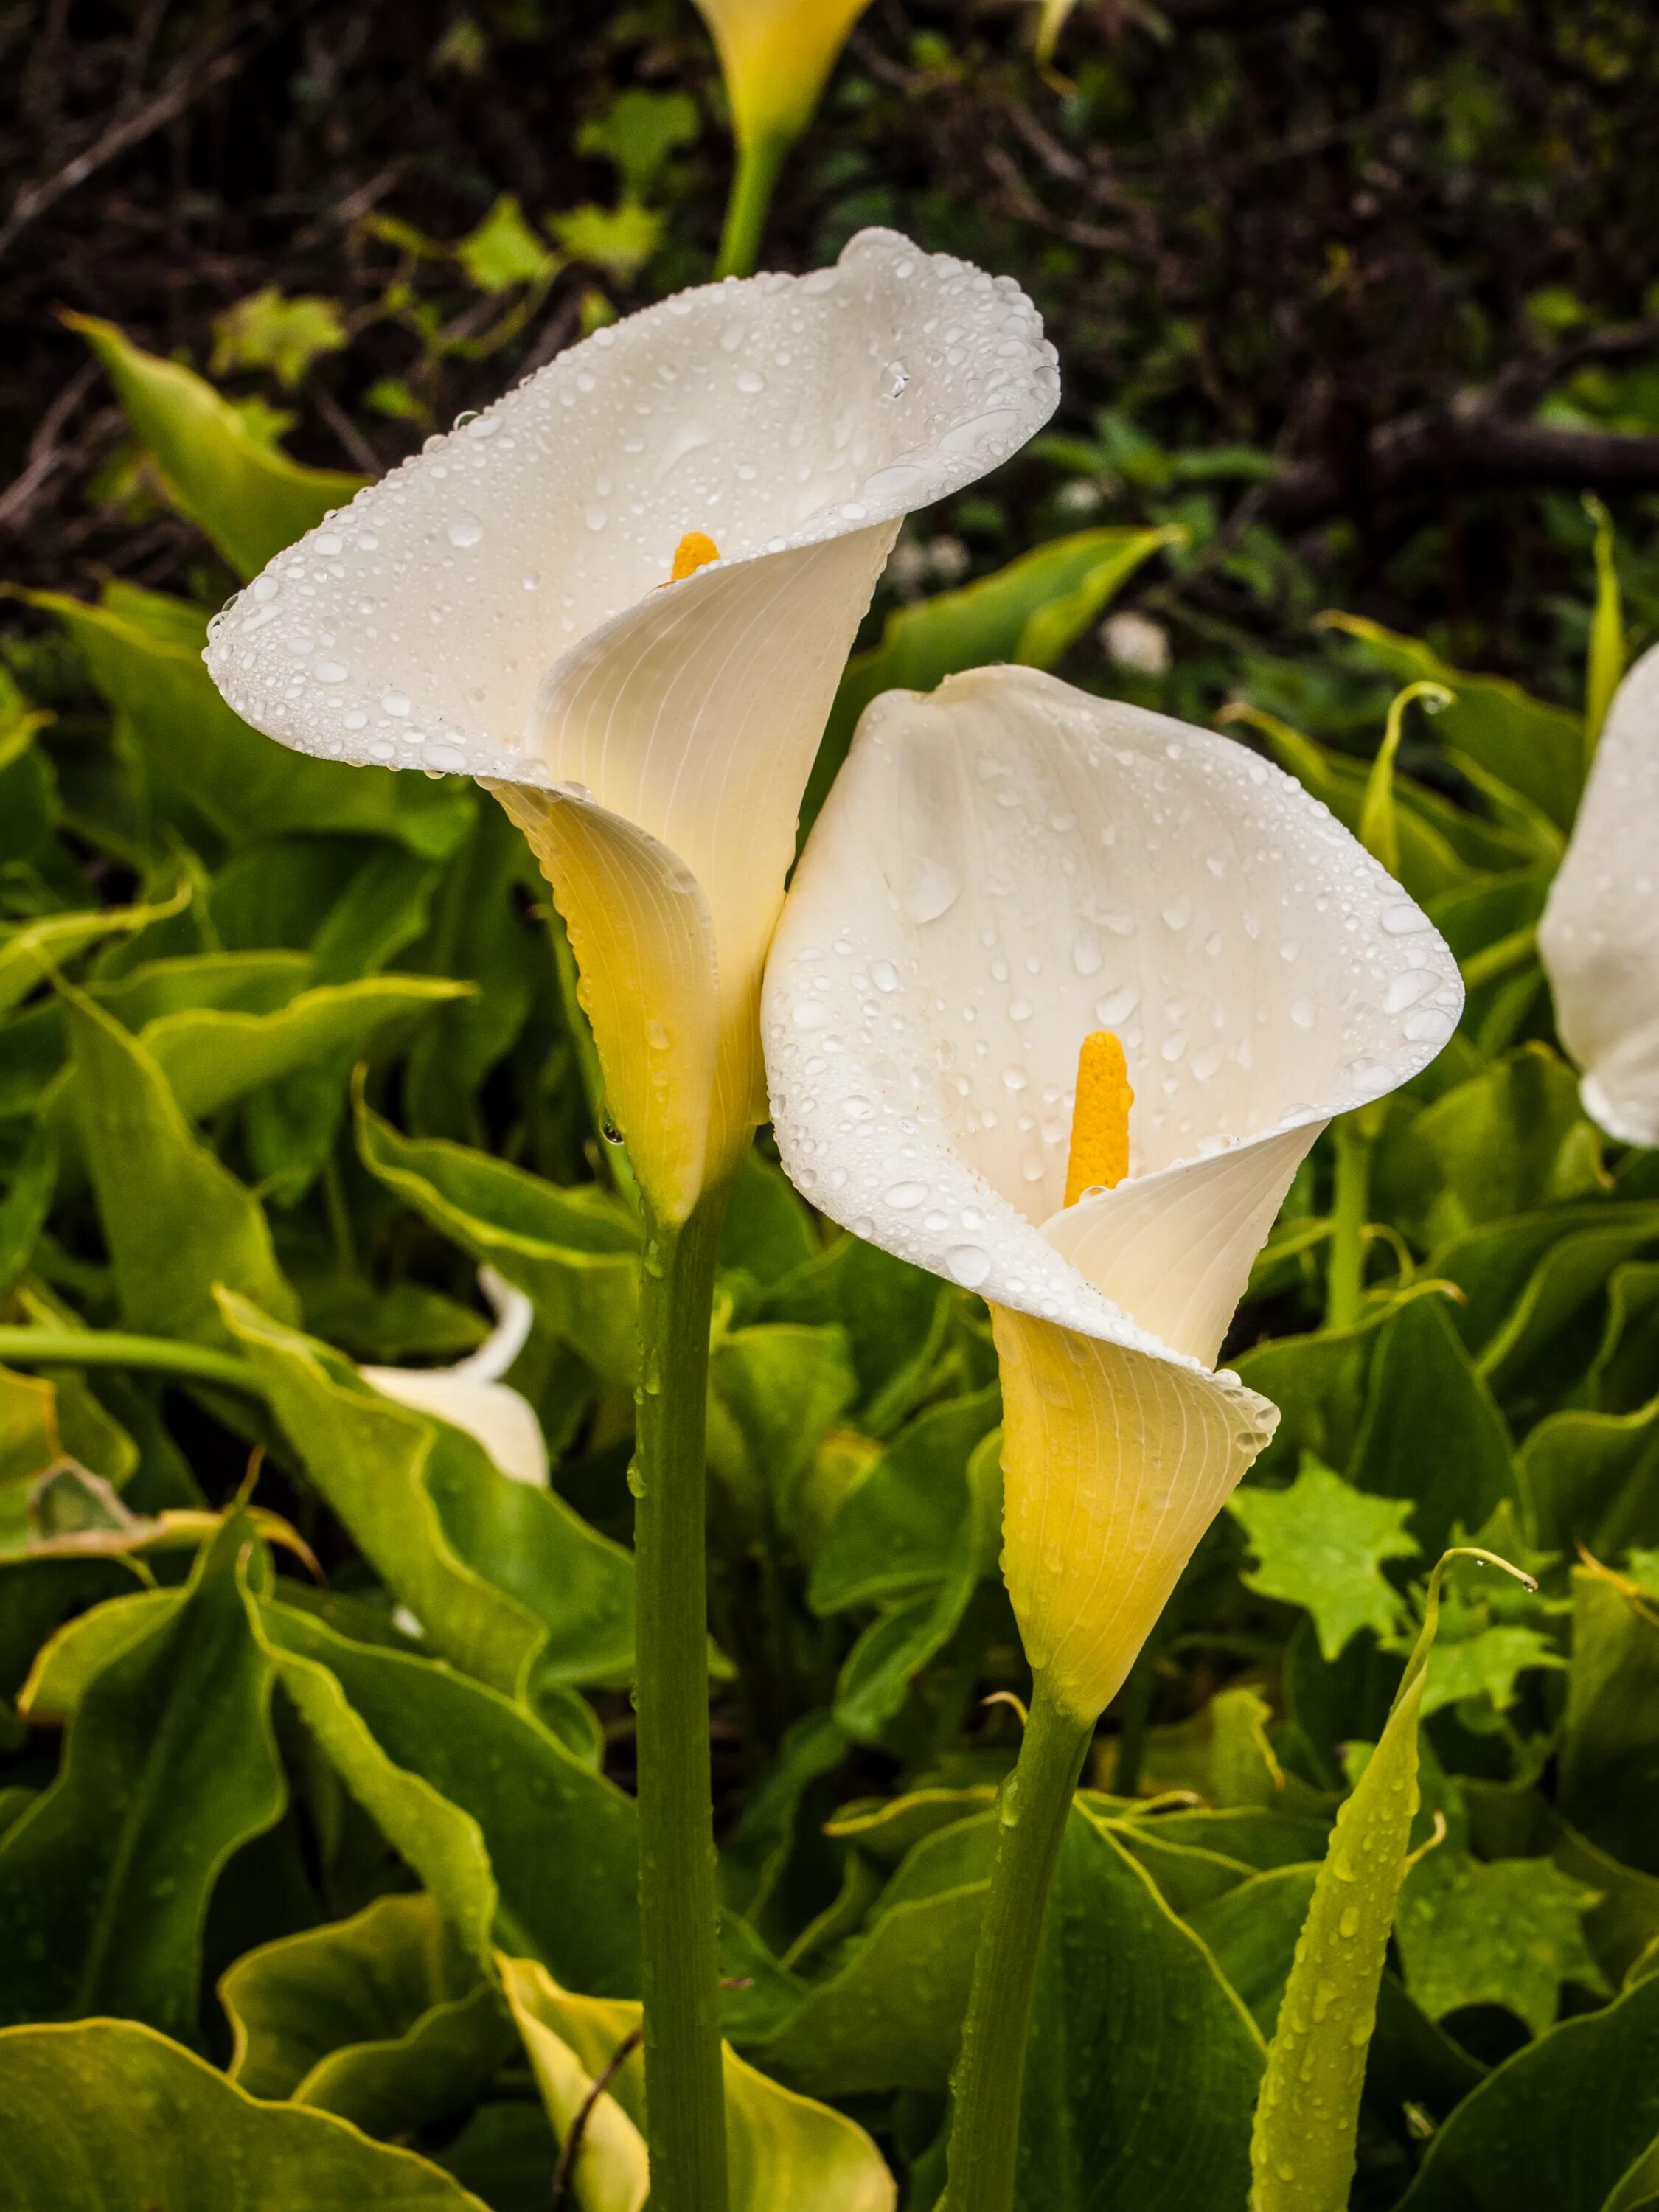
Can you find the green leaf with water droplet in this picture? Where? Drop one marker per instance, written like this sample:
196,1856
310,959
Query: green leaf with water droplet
1320,1545
1303,2146
1507,1933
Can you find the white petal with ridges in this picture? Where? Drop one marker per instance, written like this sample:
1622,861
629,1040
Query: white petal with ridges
1599,934
494,608
471,1395
1004,867
1001,868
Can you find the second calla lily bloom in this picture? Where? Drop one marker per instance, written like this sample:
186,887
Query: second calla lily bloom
1005,870
1599,934
623,597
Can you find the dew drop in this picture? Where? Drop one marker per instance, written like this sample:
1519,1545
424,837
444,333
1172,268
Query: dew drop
903,1196
932,892
464,530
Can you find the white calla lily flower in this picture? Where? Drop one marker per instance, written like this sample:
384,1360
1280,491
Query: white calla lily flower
1599,938
501,606
1007,868
471,1394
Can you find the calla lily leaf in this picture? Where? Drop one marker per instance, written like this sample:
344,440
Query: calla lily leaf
1320,1384
107,2113
1250,1931
899,1531
250,500
1170,2076
1622,1925
380,2019
1591,1477
1598,938
503,1576
774,1391
221,774
30,953
782,2148
1510,1139
175,1219
171,1765
1565,2122
574,1253
1432,1432
1609,1787
477,1796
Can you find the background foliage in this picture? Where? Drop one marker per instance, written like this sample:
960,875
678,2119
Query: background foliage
316,1746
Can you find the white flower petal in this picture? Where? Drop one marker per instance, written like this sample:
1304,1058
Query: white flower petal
504,1423
1599,938
471,1395
1010,864
494,607
771,414
1001,868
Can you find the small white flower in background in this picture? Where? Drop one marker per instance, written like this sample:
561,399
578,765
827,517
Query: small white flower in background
471,1394
1081,496
494,608
1062,994
915,563
1599,938
1133,640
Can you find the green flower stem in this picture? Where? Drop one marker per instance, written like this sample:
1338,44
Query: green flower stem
758,163
1345,1284
986,2087
100,1347
684,2096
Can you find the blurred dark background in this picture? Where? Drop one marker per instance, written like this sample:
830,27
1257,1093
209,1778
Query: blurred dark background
1364,296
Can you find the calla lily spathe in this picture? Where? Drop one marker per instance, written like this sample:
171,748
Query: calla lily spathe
499,606
471,1394
1599,938
1003,868
775,56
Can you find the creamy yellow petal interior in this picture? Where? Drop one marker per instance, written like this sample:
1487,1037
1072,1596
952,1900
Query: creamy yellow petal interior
1099,1157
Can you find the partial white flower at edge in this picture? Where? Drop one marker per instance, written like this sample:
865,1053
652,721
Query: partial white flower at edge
1003,868
471,1394
1599,938
496,608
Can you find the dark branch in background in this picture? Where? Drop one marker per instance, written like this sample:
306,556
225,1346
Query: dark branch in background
191,80
1463,448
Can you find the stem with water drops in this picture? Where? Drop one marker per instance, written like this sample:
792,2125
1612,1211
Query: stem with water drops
685,2101
986,2087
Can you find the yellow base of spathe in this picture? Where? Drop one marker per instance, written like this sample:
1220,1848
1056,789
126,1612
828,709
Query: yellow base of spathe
1114,1464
